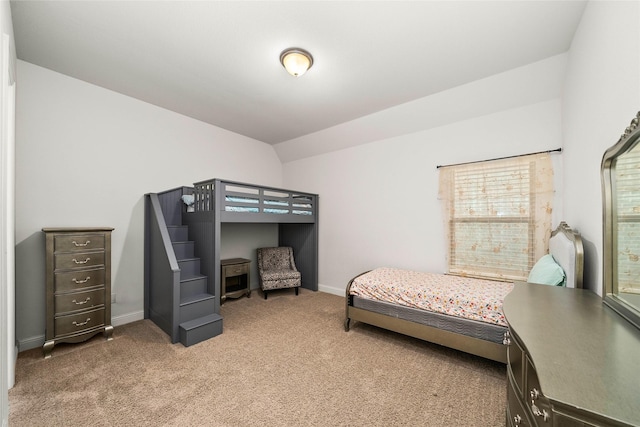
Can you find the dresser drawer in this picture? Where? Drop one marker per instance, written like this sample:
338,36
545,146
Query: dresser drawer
75,323
516,413
78,242
538,403
515,362
235,270
78,260
561,420
66,303
75,280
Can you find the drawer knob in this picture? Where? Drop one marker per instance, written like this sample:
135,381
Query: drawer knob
538,413
81,302
81,323
535,394
507,338
76,244
81,262
81,281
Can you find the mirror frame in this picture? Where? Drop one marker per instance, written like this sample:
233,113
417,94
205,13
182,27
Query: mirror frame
629,139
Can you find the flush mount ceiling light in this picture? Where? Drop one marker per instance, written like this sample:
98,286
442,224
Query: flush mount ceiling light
296,61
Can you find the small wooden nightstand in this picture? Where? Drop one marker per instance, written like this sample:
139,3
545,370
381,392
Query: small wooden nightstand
235,278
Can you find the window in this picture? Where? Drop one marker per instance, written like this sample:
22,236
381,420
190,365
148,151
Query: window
497,215
627,200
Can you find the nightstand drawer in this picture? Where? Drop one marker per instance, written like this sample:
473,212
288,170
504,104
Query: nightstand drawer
235,270
75,280
79,242
78,260
76,323
66,303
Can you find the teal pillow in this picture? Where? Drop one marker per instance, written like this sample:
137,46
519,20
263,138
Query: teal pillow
547,272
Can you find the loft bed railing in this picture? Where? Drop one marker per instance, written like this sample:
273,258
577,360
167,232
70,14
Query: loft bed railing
241,202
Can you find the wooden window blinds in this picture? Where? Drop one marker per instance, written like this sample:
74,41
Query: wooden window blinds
497,215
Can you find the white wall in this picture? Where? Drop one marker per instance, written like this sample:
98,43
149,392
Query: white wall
379,201
601,96
8,351
85,156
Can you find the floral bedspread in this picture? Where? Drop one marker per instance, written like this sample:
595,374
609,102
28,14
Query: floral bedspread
470,298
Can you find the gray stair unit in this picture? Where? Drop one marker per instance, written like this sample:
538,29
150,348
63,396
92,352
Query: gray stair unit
182,249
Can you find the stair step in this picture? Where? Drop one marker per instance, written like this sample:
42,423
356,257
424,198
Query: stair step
178,233
200,329
194,306
183,250
192,285
192,299
189,267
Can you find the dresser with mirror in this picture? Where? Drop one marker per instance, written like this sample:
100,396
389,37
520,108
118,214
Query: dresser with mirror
574,356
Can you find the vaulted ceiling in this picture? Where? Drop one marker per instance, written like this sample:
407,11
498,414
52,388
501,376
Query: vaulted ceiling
218,61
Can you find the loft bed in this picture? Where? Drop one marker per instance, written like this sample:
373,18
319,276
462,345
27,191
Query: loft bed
458,312
218,201
200,211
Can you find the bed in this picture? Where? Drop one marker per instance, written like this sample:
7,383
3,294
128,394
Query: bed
187,230
458,312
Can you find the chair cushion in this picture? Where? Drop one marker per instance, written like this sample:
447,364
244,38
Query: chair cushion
279,284
280,274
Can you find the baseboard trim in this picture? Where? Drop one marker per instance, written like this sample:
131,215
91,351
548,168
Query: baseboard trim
331,290
127,318
31,342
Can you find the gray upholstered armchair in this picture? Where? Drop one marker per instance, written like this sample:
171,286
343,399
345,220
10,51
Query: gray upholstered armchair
277,269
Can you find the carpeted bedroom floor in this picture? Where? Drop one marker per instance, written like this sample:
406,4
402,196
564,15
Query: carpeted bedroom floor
286,361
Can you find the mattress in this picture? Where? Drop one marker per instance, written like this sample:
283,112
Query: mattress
473,299
458,325
275,210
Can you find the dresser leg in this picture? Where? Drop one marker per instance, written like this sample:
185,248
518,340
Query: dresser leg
47,348
108,332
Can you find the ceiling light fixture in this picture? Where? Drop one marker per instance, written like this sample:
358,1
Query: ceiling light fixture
296,61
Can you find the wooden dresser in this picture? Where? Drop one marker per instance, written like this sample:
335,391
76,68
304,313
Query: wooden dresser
571,360
78,285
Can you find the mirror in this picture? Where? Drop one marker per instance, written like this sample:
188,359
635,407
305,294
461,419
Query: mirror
621,214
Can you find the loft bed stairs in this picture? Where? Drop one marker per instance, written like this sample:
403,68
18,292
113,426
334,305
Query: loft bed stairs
182,248
197,318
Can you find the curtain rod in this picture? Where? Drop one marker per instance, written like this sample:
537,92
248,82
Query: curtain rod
559,150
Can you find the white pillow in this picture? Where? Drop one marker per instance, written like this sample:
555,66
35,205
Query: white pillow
188,199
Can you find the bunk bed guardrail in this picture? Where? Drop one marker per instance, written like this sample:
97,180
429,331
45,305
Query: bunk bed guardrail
238,201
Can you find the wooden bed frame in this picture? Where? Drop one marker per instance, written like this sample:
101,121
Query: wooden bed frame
565,245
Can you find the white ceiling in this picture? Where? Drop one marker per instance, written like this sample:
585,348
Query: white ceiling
218,61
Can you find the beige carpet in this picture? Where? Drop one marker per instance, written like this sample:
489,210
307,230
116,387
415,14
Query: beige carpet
285,361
